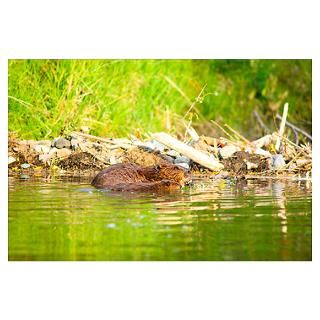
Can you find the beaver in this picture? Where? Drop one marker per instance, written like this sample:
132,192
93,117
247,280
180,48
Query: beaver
131,177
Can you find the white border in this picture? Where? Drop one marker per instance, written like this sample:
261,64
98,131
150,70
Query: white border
138,29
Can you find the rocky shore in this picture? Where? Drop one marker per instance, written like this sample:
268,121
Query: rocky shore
80,154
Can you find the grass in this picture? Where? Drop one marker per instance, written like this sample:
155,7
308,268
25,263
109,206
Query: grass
48,98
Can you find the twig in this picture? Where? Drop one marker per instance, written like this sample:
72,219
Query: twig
225,131
282,125
237,134
194,102
293,127
262,125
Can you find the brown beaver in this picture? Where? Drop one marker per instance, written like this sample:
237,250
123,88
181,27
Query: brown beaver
131,177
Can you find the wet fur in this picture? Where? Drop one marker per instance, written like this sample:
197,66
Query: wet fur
131,177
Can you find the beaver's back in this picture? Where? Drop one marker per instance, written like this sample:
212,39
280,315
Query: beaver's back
130,173
118,173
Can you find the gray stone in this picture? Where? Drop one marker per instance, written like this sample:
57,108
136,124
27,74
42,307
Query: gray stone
184,165
167,158
11,160
277,162
173,153
155,145
25,166
182,159
228,151
62,143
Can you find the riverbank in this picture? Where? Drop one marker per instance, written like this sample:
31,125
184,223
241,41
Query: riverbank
81,154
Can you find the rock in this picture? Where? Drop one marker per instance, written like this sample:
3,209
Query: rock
62,143
11,160
167,158
44,149
173,153
63,153
74,143
182,159
228,151
155,145
277,162
25,166
184,165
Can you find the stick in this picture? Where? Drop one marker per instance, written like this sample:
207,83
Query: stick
195,155
293,127
221,128
262,125
237,134
282,125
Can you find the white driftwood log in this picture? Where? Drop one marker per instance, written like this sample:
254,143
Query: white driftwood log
195,155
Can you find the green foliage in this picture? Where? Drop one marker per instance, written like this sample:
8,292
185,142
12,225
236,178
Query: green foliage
120,97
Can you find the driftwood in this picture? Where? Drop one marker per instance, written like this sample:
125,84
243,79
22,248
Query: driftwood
195,155
282,125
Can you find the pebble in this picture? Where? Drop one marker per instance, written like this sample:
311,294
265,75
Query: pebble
173,153
228,151
25,166
62,143
155,145
167,158
182,159
183,165
11,160
277,162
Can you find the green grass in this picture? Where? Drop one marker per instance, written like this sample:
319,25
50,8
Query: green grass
114,98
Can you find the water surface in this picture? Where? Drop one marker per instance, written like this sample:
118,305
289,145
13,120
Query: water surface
67,219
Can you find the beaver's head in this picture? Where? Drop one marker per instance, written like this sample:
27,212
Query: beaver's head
174,173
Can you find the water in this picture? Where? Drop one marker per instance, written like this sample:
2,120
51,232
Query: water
213,220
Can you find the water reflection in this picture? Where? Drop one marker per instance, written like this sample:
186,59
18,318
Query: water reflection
212,220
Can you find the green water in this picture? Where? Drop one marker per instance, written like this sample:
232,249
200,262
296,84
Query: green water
213,220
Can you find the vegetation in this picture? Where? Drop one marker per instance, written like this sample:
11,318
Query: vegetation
116,98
